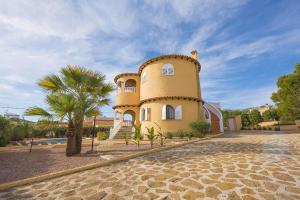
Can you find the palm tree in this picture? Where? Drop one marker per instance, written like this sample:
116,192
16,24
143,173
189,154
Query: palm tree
137,135
83,92
151,136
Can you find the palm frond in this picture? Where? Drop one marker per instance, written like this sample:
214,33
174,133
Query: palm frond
37,111
51,83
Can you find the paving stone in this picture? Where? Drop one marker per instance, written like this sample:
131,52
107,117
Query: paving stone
191,184
233,196
271,186
142,189
295,190
155,184
177,188
97,196
226,185
283,176
234,166
212,192
250,183
190,195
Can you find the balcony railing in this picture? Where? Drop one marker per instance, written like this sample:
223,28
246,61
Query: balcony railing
129,89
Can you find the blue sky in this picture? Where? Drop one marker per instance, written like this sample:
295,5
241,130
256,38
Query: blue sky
243,45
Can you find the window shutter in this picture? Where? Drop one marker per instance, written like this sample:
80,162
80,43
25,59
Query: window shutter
141,114
148,114
163,112
178,112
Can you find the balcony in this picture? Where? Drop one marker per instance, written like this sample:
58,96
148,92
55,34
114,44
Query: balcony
130,89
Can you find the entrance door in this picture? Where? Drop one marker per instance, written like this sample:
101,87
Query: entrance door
231,124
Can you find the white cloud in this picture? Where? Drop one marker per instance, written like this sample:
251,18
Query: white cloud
38,38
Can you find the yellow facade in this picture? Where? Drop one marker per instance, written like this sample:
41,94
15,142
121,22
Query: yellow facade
165,92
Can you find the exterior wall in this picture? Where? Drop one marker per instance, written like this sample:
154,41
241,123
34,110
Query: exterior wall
215,124
128,98
184,82
188,115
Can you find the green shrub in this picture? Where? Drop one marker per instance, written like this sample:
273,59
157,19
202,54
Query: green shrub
180,134
3,142
102,136
169,135
189,134
200,128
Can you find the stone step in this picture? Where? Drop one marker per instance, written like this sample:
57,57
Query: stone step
123,131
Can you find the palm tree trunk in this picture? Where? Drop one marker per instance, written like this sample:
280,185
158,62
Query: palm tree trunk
78,132
71,142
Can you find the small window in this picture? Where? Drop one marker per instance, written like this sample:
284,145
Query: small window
168,70
144,76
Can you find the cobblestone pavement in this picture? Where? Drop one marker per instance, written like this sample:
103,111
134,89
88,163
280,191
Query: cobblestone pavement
233,166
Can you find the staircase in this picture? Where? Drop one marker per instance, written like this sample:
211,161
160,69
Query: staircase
122,132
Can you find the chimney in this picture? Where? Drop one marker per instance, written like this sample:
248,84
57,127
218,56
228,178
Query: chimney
195,54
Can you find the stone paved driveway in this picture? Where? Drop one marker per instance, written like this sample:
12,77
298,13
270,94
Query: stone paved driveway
233,166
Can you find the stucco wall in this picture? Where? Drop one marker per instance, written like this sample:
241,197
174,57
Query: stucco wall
184,82
189,113
124,98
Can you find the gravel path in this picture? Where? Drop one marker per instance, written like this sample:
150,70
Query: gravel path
20,164
233,166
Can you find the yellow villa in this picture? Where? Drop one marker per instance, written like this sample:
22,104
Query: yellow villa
164,93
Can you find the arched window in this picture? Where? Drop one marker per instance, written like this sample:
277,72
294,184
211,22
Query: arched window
130,85
170,113
168,69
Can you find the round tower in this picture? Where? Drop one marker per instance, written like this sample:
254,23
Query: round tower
170,95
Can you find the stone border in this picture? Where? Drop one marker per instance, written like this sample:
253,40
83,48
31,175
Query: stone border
40,178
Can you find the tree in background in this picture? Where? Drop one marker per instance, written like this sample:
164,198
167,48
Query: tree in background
287,97
75,93
255,117
267,116
270,115
246,121
5,130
